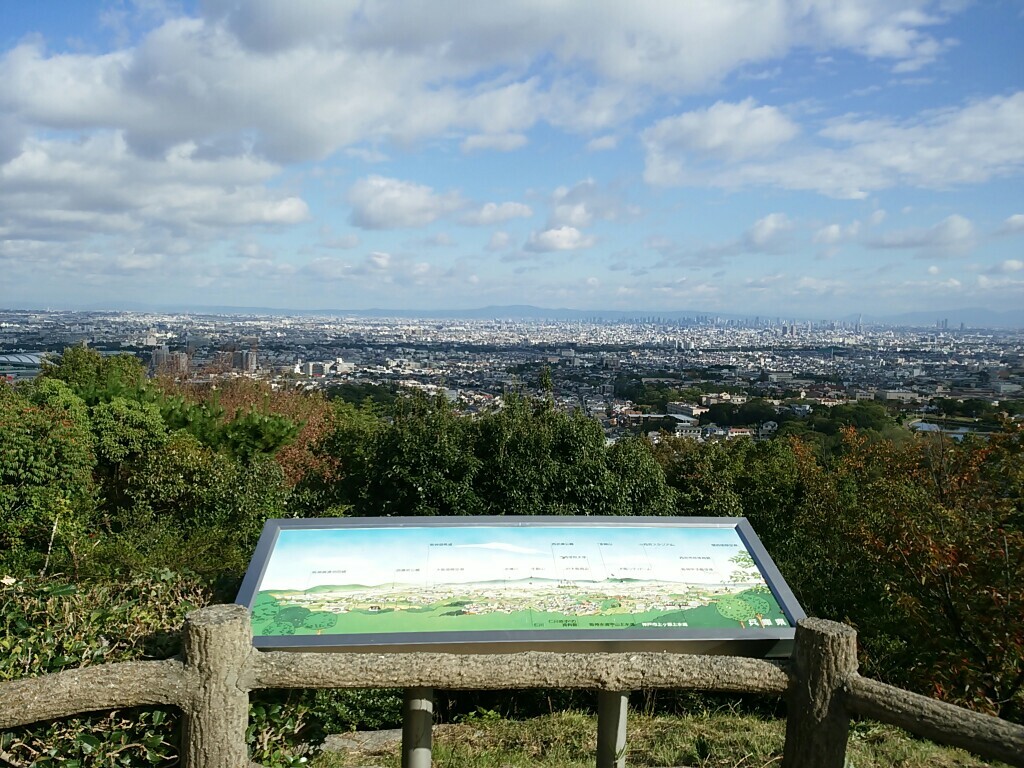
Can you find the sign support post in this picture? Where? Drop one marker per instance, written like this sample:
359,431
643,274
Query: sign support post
611,728
417,727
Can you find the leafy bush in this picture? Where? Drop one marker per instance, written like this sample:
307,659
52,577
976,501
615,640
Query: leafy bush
526,458
48,626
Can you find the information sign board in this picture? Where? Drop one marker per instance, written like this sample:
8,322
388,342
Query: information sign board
471,584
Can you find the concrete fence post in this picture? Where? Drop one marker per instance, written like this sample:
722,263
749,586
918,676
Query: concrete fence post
417,727
817,723
612,707
217,643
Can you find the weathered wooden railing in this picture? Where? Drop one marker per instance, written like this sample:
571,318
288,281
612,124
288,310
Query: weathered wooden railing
211,685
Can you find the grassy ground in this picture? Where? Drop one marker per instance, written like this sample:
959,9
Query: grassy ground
568,740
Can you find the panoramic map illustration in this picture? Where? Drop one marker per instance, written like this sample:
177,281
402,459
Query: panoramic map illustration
479,578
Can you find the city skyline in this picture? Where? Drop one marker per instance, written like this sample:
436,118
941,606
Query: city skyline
785,159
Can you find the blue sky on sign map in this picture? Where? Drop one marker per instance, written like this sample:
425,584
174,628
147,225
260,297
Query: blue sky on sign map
304,558
831,156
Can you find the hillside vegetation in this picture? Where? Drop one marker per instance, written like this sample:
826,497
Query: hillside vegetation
110,483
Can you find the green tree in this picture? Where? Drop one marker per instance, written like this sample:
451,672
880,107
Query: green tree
421,463
47,493
279,628
320,620
746,569
545,382
756,411
293,614
253,434
722,414
515,444
735,609
95,377
127,430
702,476
265,609
919,544
580,477
759,604
637,482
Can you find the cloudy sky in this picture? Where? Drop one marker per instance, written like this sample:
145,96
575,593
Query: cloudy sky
735,155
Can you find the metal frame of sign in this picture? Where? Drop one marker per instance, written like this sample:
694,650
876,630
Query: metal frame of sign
765,642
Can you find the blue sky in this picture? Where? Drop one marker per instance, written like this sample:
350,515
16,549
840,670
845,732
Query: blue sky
810,157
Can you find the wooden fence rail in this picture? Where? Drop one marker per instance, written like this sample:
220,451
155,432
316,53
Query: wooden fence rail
211,686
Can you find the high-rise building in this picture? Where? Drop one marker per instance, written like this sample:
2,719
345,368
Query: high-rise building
244,360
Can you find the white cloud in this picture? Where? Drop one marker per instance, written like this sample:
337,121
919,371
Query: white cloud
1010,265
559,239
933,270
300,80
953,235
343,242
763,74
768,233
439,240
185,130
373,270
579,205
500,241
382,203
326,268
93,207
771,234
102,181
819,286
678,146
570,214
1013,224
851,157
829,235
496,213
502,142
367,154
832,235
603,143
731,130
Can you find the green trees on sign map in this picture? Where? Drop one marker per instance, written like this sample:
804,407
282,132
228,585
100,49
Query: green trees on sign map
746,569
746,606
736,609
759,603
320,621
280,628
293,614
265,608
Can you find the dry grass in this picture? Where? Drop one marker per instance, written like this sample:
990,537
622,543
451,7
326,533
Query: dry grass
568,740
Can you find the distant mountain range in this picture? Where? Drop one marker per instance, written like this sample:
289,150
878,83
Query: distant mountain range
971,317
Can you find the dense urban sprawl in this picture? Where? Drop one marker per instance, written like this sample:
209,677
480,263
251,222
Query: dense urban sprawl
598,366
